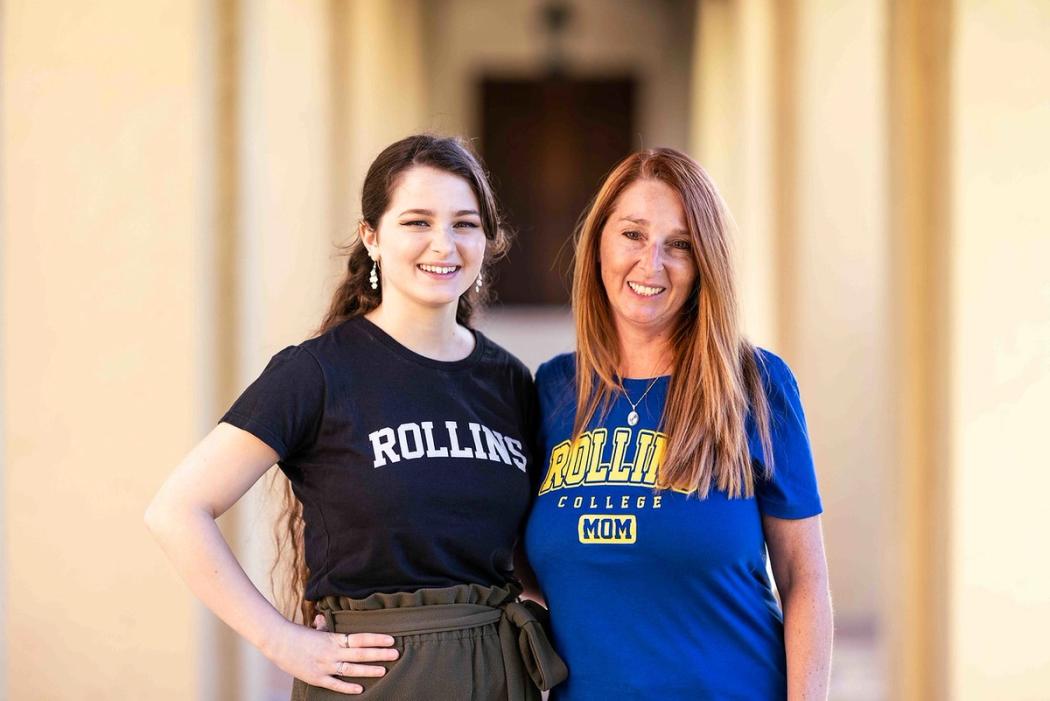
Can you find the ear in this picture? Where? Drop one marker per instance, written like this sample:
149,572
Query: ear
370,237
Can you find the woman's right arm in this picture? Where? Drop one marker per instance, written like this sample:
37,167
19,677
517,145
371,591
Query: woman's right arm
215,474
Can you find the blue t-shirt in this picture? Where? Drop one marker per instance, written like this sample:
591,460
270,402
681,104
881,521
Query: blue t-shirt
659,594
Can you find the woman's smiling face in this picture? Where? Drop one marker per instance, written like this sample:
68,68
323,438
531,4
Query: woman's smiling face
429,242
646,258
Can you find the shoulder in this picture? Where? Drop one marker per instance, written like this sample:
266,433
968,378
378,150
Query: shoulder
293,374
556,388
558,371
556,380
345,349
774,371
335,340
298,360
782,393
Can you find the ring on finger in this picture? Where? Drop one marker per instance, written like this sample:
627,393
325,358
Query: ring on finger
340,669
346,640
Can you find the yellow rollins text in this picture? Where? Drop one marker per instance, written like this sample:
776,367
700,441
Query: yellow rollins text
630,458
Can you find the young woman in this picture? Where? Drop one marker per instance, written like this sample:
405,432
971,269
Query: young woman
677,454
405,437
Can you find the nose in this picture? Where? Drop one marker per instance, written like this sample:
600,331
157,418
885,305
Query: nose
441,241
652,258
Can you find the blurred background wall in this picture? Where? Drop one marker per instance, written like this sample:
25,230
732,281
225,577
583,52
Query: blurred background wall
177,177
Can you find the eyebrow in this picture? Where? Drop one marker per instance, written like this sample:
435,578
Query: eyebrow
430,213
645,222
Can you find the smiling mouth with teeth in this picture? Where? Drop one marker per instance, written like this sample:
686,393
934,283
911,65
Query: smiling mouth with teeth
645,290
438,269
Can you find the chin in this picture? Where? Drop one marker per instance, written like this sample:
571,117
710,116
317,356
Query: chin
642,313
435,299
645,317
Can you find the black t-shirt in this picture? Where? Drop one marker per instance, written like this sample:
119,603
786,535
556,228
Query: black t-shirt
412,472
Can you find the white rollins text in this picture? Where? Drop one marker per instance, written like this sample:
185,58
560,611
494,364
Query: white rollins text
411,441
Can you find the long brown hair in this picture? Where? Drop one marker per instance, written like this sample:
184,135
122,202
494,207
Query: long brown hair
715,382
355,297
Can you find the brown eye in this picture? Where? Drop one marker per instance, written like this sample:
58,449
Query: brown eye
633,235
682,245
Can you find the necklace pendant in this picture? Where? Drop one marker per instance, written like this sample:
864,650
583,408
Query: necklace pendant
632,418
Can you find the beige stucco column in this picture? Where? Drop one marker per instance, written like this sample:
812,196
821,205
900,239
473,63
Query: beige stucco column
834,331
909,245
105,328
283,157
788,117
971,163
324,87
919,236
998,361
733,134
174,176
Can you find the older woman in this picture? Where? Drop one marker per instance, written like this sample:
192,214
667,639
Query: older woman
677,454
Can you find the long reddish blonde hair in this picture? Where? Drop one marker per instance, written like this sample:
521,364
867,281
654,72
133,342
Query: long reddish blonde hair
715,380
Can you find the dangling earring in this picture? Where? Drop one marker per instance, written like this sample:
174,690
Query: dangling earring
477,284
373,277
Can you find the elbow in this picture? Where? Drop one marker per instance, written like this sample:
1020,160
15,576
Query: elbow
807,584
167,516
819,582
153,518
158,518
812,596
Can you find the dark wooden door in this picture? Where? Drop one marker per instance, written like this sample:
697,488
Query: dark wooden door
548,144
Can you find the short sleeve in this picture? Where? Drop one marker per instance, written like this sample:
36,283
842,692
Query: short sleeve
791,492
283,407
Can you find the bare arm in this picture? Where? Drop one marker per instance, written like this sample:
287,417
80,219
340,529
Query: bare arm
796,552
215,474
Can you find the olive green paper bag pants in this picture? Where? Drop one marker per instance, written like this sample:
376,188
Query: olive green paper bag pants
465,642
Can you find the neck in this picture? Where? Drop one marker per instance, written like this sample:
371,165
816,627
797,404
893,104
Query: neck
430,331
644,352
